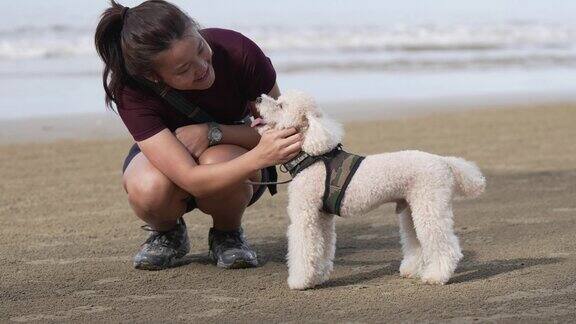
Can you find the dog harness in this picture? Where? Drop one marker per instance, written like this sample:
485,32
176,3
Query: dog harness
340,168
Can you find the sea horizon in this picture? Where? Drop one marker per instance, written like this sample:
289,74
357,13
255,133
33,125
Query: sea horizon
337,51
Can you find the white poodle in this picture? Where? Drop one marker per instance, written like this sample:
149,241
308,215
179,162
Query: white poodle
421,184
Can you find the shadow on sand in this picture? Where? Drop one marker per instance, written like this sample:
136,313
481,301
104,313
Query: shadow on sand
272,250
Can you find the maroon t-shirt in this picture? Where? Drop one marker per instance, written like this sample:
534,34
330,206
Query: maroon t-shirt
242,73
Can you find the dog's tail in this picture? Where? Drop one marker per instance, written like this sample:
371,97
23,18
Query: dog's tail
469,179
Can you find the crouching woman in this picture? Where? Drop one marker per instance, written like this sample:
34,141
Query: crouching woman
177,164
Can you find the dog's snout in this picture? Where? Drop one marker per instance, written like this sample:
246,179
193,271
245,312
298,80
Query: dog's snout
259,99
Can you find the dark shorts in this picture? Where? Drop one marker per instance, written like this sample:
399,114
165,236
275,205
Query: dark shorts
190,201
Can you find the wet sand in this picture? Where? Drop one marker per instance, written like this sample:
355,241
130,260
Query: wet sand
67,235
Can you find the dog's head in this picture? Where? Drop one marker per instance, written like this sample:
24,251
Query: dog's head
299,110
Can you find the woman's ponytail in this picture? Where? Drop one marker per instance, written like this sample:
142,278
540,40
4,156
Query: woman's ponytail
108,41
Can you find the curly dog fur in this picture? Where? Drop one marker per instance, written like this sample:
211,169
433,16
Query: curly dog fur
421,184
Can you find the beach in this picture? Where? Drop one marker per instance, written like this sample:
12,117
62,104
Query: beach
490,81
67,232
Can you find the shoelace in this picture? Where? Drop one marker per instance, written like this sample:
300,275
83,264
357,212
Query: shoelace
164,238
229,239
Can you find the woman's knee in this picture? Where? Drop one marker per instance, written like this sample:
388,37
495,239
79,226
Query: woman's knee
148,189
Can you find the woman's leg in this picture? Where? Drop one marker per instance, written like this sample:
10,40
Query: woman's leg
154,198
160,203
228,247
227,216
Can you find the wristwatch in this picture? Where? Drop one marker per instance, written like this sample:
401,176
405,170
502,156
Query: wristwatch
214,134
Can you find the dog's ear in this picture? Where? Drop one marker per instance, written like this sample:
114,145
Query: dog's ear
322,134
311,119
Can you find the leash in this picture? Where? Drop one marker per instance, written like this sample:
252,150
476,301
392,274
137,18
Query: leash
270,183
267,183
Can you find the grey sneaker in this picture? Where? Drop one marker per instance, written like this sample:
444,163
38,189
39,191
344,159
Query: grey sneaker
161,249
230,250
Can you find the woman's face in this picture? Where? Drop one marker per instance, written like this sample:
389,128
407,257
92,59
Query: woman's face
187,65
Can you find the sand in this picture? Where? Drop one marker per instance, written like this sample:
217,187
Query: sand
67,235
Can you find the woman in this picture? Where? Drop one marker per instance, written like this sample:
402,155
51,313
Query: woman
177,165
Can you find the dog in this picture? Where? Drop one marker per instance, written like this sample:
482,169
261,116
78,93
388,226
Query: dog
421,184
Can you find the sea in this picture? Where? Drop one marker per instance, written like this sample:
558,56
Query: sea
410,51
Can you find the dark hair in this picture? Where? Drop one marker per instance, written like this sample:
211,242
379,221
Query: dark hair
127,40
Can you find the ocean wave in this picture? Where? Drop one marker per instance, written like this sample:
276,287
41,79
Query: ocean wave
335,63
416,38
45,42
404,65
386,48
34,30
45,49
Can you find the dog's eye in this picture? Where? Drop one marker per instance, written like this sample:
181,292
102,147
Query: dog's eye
279,105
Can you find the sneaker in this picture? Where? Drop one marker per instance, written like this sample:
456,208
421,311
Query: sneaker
230,250
162,248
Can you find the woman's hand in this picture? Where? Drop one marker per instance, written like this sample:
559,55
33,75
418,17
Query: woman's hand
194,137
278,146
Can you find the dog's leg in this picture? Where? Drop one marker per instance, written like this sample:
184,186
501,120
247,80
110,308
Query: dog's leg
307,247
412,263
328,225
432,215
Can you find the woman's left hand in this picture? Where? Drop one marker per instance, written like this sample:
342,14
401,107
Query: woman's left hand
194,137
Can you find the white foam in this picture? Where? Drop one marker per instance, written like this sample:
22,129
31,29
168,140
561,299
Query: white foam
398,47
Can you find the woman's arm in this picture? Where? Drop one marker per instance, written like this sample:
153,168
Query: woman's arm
195,137
241,135
204,180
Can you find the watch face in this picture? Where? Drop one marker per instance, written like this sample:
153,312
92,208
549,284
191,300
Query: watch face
216,135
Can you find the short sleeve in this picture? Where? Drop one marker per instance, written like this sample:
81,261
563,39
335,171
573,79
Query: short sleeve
140,115
257,74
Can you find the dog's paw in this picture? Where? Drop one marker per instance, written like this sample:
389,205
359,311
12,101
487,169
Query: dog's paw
328,267
435,277
298,283
411,267
439,270
408,274
434,280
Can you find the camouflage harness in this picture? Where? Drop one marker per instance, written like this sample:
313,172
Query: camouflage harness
340,168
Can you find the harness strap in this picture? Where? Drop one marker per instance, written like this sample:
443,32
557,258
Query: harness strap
339,172
304,160
340,168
